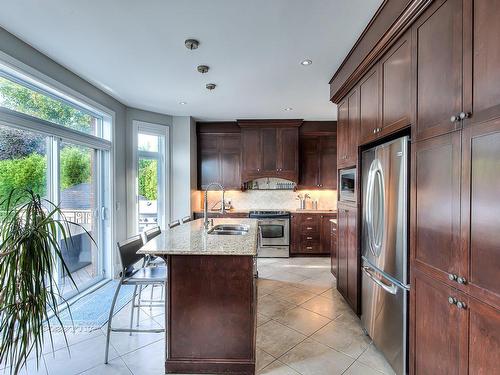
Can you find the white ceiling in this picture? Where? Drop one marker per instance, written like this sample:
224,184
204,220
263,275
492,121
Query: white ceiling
134,50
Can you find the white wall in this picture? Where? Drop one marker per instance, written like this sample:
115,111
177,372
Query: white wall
183,166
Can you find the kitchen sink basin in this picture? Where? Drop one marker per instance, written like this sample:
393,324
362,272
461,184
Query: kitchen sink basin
229,229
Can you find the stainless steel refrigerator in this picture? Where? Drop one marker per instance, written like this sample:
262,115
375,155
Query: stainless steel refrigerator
384,249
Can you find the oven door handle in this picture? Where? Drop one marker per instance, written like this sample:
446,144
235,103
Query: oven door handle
260,236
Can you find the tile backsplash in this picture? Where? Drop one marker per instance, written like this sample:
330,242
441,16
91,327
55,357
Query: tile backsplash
273,199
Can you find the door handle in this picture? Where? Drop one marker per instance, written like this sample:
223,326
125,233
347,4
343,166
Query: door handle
392,289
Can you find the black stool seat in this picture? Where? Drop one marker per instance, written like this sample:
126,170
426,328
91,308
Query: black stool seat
147,275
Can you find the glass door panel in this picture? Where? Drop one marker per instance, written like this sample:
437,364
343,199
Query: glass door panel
79,200
148,193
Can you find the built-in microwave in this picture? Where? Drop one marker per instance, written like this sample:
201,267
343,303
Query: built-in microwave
347,185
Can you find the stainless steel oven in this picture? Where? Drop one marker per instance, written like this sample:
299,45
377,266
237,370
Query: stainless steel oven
274,233
347,185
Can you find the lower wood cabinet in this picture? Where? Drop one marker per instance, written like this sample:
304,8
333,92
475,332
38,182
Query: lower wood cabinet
333,248
452,333
348,271
310,233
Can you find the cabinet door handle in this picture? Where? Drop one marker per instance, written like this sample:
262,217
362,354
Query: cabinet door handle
462,280
452,276
374,131
309,247
455,118
308,228
308,218
464,115
258,169
309,238
461,305
452,300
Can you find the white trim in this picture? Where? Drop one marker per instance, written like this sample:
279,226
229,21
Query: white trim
159,130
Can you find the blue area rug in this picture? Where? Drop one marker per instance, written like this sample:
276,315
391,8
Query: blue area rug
91,312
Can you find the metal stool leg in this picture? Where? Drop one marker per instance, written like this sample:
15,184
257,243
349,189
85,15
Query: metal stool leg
151,299
139,307
110,318
132,309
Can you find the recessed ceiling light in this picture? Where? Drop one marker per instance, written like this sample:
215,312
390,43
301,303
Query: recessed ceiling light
182,103
288,109
306,62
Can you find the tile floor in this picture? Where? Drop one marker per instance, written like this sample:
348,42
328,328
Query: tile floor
304,327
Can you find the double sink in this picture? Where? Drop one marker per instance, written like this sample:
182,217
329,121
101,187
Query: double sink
229,229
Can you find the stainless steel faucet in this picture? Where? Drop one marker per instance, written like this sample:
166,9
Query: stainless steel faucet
205,204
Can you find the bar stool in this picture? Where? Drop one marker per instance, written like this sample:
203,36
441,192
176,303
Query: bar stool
142,276
174,224
149,261
186,219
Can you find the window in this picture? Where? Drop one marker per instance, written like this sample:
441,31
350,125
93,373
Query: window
18,94
69,168
151,174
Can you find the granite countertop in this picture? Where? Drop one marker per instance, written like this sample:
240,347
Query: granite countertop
308,211
192,239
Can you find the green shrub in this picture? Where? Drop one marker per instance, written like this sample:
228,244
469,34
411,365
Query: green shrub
25,173
75,166
148,179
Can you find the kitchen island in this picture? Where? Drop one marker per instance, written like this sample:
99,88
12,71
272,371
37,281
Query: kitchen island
210,299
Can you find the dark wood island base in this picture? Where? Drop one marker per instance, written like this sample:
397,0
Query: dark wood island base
211,314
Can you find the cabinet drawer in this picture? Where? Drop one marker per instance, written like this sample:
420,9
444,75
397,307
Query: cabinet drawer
306,228
310,238
311,248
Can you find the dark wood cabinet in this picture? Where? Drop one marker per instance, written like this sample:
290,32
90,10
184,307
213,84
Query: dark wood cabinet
482,59
219,160
318,162
270,148
342,132
395,71
481,208
348,131
439,328
310,233
333,248
436,206
348,255
369,105
438,40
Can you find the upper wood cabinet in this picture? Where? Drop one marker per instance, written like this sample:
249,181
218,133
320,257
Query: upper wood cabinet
482,58
318,162
385,93
270,149
369,105
348,130
438,39
219,159
395,70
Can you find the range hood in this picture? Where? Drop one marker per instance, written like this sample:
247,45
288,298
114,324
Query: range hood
270,183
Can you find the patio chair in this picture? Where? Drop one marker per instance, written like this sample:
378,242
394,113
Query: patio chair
142,276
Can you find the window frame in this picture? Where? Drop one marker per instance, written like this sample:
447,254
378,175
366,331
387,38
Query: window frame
145,127
58,133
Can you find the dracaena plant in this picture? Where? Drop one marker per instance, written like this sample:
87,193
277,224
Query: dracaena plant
32,230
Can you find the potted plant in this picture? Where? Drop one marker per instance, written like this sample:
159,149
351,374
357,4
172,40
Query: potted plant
32,230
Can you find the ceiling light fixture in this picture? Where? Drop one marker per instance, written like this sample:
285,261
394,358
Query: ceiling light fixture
191,44
211,86
202,69
288,109
182,103
306,62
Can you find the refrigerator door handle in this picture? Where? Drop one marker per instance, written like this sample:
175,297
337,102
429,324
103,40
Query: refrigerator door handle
375,175
393,289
